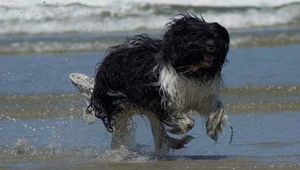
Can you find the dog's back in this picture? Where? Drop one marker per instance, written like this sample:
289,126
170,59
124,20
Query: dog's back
129,64
125,76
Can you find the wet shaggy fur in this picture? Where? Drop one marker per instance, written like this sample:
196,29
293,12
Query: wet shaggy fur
166,77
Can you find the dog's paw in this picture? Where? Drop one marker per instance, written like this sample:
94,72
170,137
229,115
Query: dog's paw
181,125
178,143
215,124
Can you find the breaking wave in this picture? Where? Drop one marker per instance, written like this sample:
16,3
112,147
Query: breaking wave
42,17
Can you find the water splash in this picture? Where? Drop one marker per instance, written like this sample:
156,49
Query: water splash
122,154
23,146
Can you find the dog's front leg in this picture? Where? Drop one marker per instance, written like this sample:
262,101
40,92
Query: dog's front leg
161,145
181,123
216,121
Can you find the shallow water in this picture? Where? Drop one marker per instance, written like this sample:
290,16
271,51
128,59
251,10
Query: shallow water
270,139
38,74
41,125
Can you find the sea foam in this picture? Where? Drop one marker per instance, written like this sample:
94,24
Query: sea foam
52,17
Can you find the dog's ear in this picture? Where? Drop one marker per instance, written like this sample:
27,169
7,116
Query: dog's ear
221,30
181,30
182,23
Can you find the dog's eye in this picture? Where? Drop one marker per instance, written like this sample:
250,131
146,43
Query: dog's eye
203,38
192,45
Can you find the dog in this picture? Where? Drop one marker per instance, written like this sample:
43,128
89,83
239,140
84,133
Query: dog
164,79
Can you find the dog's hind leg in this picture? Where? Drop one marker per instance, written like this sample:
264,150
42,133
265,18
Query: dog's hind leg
124,133
124,128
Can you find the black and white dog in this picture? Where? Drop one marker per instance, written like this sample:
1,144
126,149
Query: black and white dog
163,79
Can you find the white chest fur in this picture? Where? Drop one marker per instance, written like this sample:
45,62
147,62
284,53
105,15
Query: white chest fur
184,94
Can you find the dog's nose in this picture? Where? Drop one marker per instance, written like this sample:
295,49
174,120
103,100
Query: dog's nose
210,42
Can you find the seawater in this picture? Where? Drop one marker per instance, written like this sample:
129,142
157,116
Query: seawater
46,74
41,125
73,141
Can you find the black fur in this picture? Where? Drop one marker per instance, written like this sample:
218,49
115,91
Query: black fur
127,77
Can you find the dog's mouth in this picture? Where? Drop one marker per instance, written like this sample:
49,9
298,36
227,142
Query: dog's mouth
208,60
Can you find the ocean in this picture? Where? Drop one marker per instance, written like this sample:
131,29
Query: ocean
95,16
59,26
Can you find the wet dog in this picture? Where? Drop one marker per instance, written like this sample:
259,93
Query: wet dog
164,79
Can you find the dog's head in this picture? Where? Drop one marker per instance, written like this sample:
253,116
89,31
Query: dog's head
194,47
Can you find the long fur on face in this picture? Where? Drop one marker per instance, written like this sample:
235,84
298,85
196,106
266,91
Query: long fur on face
181,72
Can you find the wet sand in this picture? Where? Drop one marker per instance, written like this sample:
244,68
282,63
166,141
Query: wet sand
202,163
191,165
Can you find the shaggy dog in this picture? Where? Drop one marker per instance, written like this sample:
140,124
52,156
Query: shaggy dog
163,79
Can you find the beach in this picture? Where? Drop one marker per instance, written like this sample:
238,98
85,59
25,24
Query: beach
41,124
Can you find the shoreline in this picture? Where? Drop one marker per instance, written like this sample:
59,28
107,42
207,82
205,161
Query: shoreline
26,44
